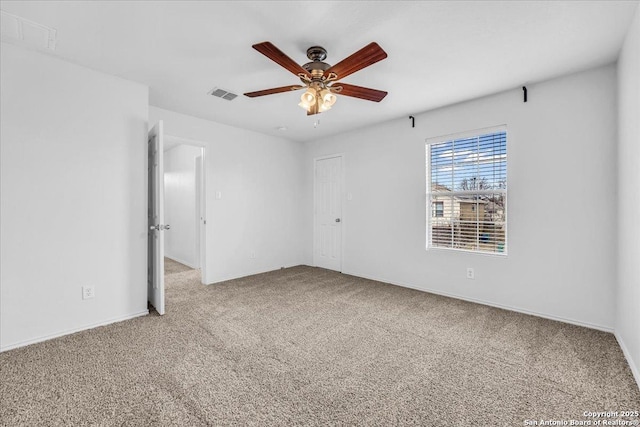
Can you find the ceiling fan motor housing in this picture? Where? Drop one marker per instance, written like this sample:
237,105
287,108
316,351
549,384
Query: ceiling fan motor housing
316,67
317,53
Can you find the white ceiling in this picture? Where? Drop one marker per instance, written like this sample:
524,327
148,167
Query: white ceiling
439,52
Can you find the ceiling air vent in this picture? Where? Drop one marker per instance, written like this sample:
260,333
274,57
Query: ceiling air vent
22,31
221,93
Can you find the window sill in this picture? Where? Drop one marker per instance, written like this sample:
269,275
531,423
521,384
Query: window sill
468,251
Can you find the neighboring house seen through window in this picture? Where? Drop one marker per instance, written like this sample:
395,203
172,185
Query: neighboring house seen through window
438,209
467,191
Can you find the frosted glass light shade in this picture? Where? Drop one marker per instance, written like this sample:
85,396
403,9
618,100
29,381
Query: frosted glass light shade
308,99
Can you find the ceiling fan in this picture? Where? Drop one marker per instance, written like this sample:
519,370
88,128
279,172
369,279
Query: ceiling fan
321,79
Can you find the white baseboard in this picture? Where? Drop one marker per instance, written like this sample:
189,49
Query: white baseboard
489,303
250,273
72,331
181,261
630,361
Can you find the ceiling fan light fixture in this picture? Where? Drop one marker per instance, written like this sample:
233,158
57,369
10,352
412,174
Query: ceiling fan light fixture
308,99
328,97
324,107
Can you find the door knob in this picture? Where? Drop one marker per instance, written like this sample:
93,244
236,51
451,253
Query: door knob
159,227
337,219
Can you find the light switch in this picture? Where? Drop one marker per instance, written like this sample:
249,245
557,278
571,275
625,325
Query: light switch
349,196
218,195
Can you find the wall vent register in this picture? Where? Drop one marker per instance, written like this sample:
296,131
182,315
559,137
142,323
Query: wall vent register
221,93
18,30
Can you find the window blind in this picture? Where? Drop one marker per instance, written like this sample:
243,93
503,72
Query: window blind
467,192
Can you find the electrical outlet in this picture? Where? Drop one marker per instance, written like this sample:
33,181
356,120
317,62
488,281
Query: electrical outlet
87,292
252,255
470,273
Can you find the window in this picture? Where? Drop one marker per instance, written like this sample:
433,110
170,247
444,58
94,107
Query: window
467,191
438,209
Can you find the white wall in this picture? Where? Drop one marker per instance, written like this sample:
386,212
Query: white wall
260,180
561,202
180,204
73,197
628,314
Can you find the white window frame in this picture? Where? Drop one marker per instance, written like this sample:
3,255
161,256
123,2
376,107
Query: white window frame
455,136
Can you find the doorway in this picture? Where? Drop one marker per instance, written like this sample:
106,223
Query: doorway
328,221
185,206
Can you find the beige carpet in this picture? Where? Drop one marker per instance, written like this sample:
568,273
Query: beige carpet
306,346
173,267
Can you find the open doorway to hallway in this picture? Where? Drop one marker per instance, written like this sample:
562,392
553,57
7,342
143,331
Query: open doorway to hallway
184,205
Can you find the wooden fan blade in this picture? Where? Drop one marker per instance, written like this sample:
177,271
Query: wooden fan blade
277,56
273,90
360,92
368,55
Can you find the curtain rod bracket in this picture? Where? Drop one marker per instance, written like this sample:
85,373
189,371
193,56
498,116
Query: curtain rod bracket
413,121
524,89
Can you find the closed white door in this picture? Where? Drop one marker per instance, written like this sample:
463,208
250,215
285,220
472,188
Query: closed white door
155,252
328,217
